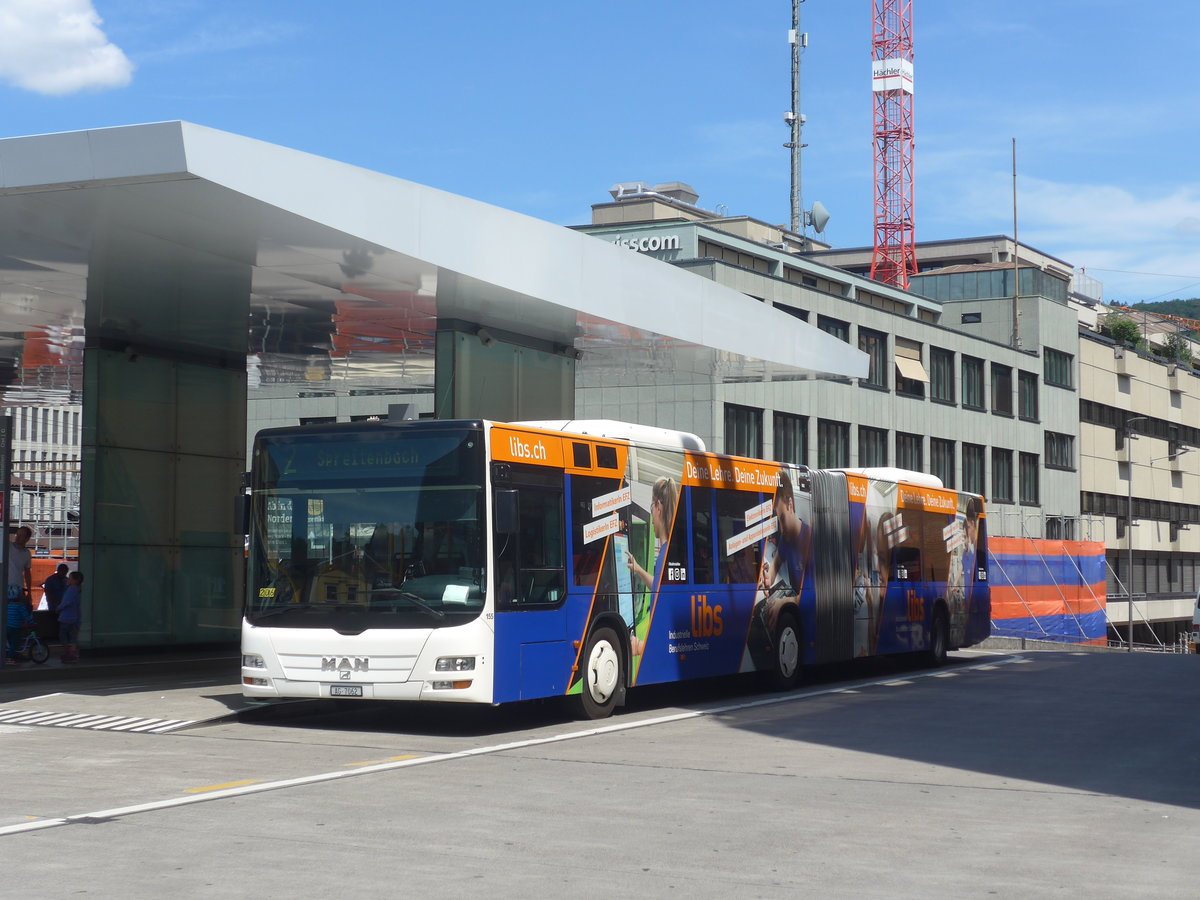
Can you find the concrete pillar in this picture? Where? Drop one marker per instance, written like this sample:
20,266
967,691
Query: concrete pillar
164,412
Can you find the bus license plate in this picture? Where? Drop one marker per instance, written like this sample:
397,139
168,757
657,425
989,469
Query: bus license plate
345,690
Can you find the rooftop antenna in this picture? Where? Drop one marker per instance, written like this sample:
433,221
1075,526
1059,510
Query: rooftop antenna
795,119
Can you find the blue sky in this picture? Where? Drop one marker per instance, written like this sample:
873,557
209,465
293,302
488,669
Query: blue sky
541,105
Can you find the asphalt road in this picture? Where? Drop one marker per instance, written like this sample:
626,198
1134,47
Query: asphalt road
1024,774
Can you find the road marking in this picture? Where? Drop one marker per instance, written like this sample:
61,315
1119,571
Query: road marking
225,793
222,787
375,762
11,716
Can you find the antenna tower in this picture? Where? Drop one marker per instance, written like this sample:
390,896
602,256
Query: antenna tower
895,256
795,121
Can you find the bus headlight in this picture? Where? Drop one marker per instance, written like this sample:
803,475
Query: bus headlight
253,661
455,664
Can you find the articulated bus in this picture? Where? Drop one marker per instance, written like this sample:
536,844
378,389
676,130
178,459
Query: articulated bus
481,562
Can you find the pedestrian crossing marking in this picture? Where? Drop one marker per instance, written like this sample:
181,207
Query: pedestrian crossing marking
90,721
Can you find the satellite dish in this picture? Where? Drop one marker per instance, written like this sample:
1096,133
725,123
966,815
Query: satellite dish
818,216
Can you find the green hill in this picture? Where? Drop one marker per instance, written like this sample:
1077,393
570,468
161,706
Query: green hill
1187,308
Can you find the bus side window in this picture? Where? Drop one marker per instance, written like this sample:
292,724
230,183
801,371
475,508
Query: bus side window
742,567
906,564
530,567
588,556
700,500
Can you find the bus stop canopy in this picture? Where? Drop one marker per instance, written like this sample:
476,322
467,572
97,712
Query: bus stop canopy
348,271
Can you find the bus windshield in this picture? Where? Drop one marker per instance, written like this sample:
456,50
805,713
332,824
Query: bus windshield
379,527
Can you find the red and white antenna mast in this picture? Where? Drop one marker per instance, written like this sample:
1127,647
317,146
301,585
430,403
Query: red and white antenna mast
895,257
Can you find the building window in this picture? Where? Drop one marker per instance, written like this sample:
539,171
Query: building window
941,375
1002,400
972,318
1058,368
909,452
791,439
833,444
1060,451
874,344
794,311
1027,396
972,468
1002,476
836,327
972,382
318,420
743,431
941,460
872,446
1029,479
911,377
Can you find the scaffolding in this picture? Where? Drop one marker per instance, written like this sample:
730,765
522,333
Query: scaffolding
44,495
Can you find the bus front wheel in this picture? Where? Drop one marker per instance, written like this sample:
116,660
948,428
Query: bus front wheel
785,660
603,674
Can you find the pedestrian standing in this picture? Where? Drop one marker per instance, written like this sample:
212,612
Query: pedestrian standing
54,587
70,615
20,580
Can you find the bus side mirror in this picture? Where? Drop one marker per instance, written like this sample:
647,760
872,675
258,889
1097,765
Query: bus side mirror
505,510
241,505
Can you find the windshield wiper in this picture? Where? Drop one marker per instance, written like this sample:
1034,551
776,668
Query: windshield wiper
280,610
411,598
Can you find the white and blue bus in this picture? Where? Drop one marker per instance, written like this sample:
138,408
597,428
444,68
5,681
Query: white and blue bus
481,562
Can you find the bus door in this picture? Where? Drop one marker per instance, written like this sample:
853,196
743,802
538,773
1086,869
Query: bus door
532,650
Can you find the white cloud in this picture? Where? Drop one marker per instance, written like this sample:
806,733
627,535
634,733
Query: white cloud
58,47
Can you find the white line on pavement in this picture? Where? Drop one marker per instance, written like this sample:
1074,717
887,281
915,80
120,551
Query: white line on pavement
262,787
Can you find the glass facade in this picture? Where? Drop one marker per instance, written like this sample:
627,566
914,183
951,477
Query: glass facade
987,284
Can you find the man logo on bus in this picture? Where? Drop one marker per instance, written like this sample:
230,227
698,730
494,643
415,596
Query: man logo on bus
345,666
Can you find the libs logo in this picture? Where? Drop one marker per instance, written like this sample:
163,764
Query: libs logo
345,666
706,620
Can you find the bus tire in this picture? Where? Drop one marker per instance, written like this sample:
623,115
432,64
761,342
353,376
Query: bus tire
939,638
603,674
786,654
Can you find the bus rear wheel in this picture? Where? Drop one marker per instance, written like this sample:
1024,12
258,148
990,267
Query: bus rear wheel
939,638
786,655
603,674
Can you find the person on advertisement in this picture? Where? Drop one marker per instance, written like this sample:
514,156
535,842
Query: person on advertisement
663,499
782,575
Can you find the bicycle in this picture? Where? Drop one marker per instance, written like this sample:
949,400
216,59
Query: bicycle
32,646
